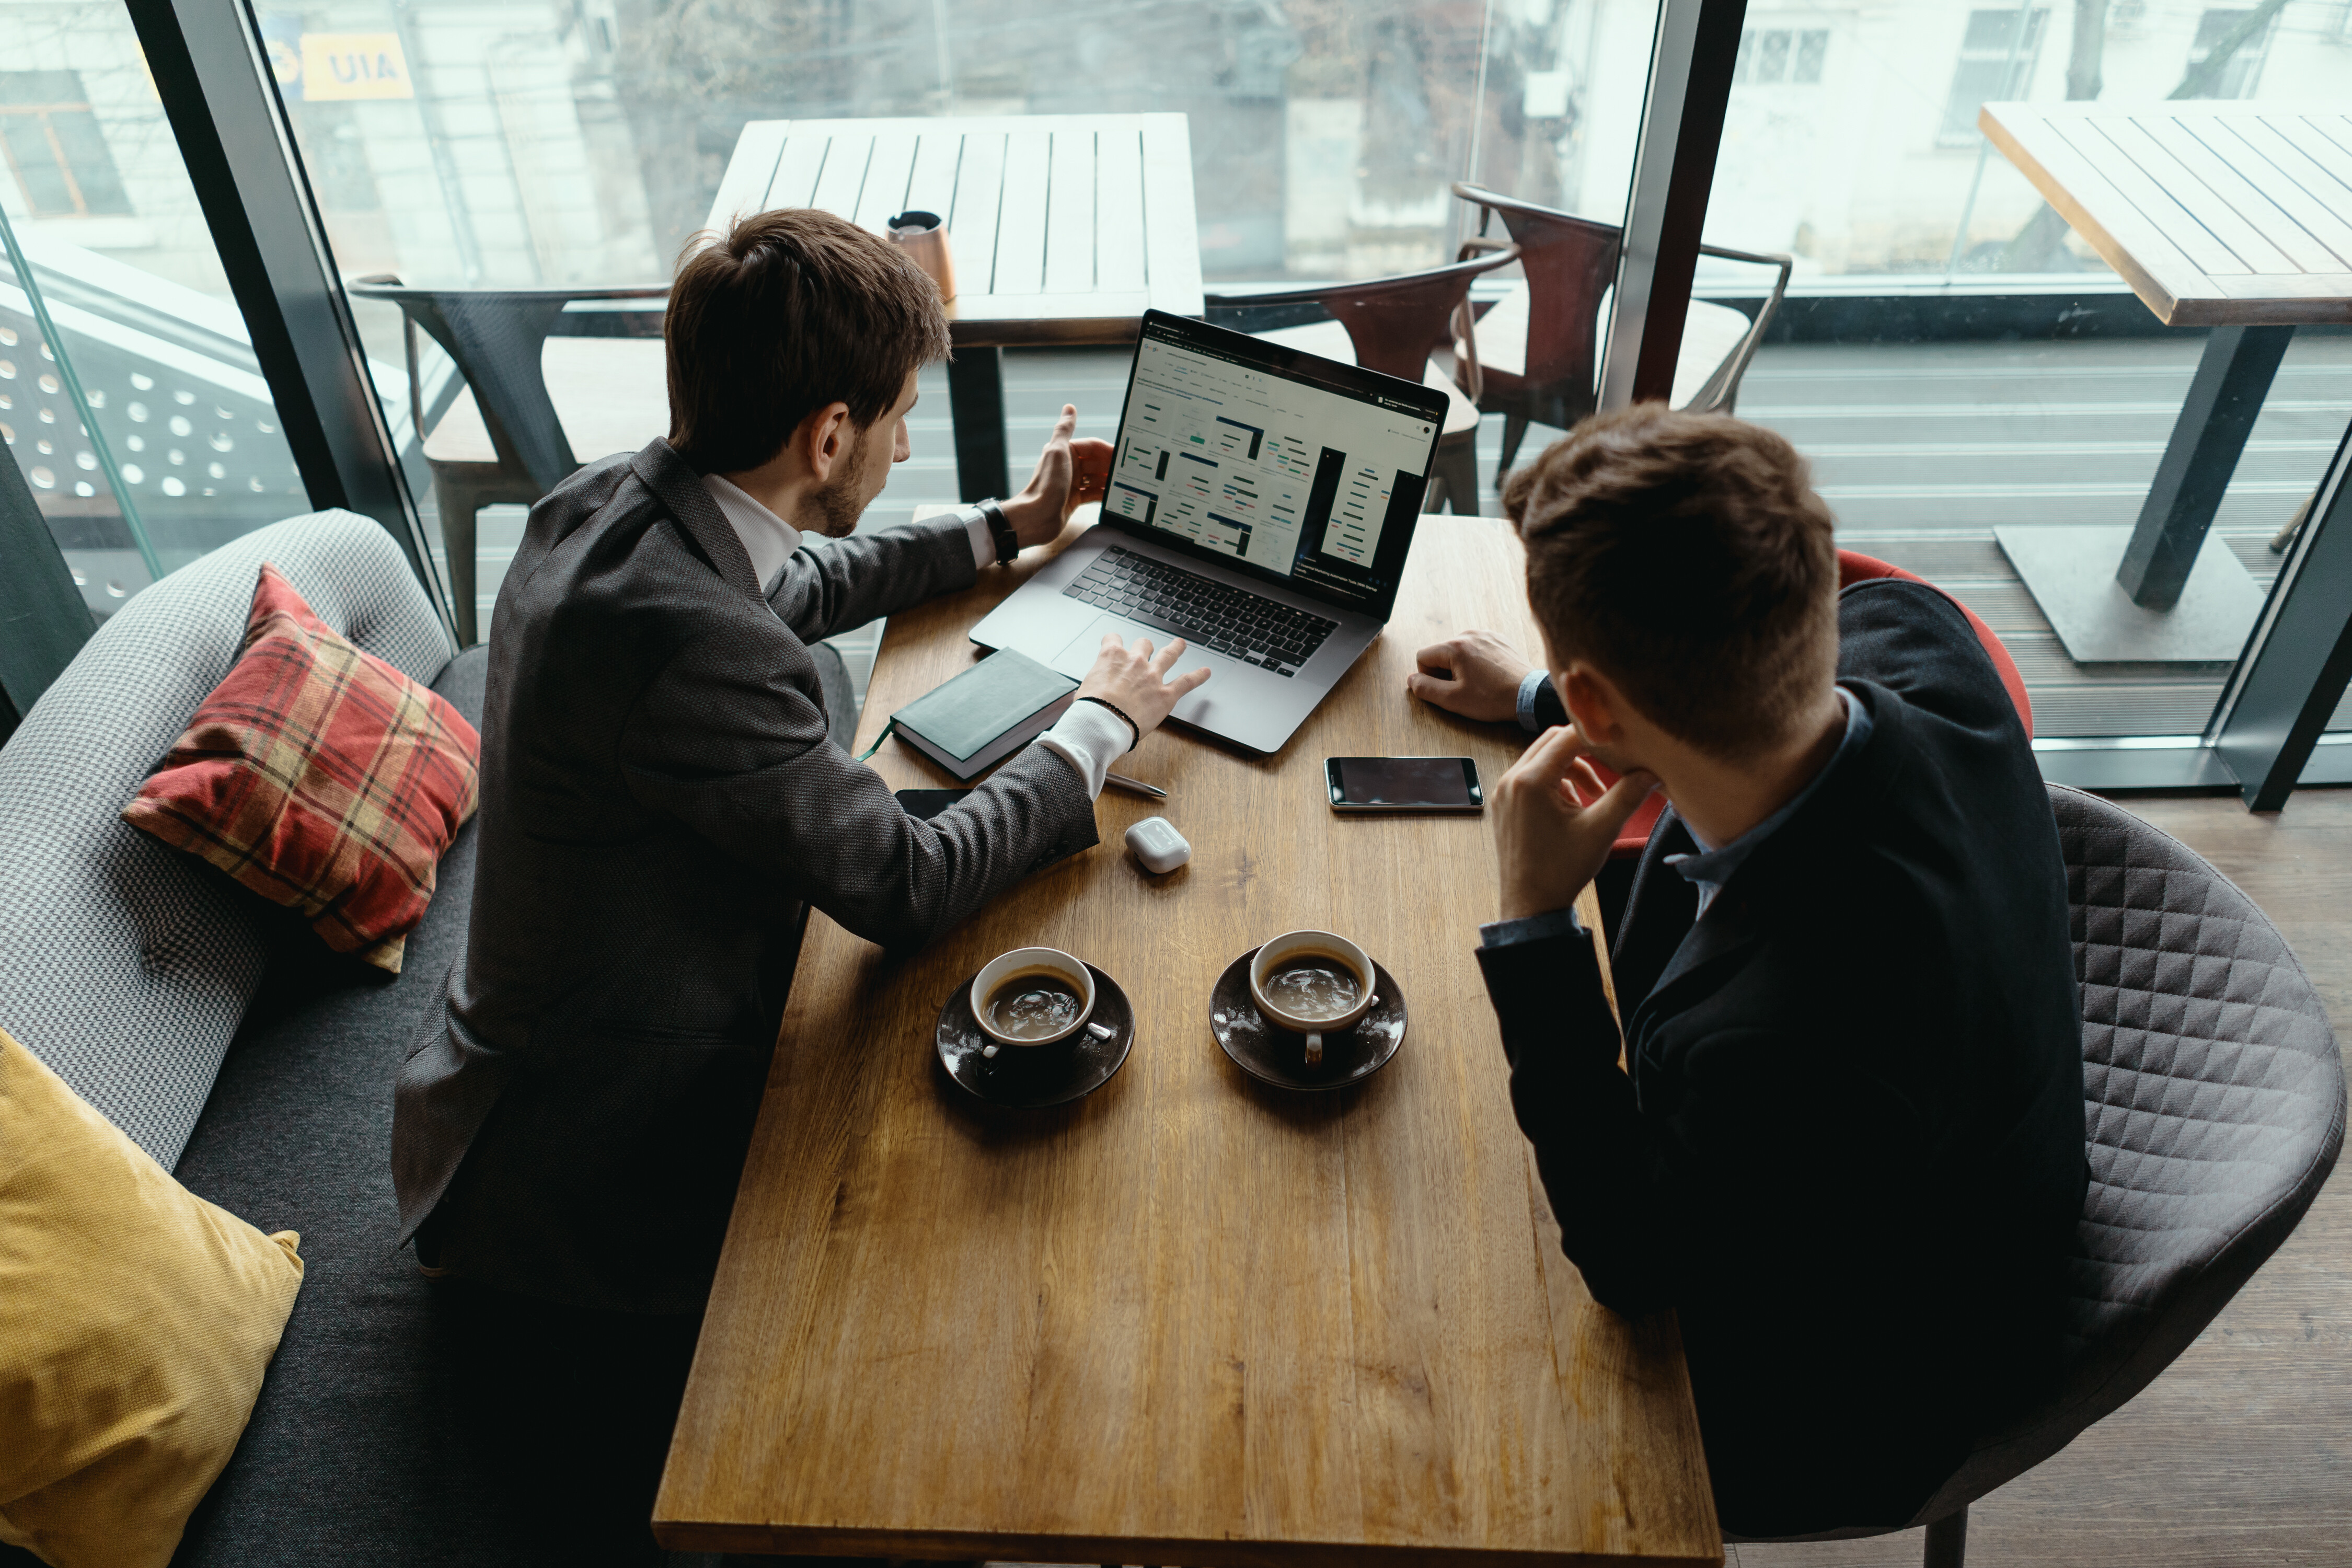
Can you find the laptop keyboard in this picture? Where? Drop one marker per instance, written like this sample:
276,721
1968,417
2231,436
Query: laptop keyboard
1224,619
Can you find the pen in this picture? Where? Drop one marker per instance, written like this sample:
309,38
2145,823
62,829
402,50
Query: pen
1136,786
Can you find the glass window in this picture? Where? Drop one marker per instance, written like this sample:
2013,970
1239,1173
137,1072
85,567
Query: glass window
50,137
1954,358
1776,55
2236,75
1996,62
519,143
130,396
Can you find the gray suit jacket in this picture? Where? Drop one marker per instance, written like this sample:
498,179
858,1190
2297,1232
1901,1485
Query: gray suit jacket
659,802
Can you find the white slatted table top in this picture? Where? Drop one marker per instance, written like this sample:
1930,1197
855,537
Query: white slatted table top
1063,227
2217,213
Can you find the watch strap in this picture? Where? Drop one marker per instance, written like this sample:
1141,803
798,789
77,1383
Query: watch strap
1000,528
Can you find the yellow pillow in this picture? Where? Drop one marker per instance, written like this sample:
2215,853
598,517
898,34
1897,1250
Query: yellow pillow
136,1320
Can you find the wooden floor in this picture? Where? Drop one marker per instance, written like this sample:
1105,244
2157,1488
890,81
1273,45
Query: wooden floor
2240,1453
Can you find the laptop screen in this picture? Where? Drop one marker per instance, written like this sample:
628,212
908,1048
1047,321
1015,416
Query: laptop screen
1294,467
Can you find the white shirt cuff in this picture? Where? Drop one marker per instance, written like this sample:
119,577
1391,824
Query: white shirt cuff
1089,737
983,544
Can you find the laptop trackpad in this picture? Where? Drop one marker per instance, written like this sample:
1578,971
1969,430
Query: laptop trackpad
1078,655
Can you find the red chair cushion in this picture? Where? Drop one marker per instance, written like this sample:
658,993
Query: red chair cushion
319,777
1851,568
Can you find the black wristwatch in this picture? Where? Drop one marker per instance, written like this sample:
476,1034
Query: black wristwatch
1000,528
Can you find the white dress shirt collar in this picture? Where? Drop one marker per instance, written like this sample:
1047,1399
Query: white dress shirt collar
766,539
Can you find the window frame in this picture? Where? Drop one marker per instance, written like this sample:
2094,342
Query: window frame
43,115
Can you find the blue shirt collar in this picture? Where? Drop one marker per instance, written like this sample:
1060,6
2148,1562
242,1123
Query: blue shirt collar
1712,868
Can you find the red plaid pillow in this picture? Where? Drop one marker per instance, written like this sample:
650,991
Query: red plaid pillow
319,777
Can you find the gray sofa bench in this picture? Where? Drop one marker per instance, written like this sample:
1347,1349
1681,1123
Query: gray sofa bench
402,1423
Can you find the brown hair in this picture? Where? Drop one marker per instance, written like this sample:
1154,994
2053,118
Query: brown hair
793,309
1688,558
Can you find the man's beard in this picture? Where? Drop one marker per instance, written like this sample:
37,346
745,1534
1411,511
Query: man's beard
836,503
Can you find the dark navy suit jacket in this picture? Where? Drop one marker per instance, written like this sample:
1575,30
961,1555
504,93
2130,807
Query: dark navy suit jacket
1848,1148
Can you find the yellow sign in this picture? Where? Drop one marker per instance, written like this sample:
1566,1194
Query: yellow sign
353,65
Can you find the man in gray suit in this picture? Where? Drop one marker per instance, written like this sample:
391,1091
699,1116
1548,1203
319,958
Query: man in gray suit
660,799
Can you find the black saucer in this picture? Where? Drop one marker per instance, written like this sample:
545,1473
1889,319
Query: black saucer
1276,1056
1023,1077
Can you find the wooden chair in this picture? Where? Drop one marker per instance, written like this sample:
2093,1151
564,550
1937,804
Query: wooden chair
1539,349
498,338
1394,325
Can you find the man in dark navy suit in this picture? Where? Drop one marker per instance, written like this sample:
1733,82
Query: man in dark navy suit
1847,1142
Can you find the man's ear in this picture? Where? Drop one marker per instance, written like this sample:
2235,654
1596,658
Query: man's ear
1593,703
824,439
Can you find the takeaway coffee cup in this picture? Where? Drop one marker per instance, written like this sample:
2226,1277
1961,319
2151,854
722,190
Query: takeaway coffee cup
1312,983
924,237
1031,997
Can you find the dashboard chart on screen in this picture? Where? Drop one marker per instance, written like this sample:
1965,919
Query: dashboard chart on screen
1269,470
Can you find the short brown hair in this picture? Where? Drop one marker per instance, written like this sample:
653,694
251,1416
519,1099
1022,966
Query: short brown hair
1688,558
793,309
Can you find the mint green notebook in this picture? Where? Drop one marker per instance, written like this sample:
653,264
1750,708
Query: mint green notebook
986,713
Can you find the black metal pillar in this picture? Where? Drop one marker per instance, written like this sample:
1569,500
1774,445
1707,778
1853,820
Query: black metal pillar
2299,658
976,403
43,621
204,57
2233,379
1691,61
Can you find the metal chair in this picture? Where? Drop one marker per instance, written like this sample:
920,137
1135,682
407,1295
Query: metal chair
1394,325
497,337
1540,348
2214,1100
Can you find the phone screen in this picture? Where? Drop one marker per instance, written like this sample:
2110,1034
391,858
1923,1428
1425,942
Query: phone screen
1401,783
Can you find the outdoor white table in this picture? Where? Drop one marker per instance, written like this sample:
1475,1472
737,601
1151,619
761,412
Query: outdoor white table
1065,229
2230,215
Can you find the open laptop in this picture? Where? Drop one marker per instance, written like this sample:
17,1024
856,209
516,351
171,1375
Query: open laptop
1260,503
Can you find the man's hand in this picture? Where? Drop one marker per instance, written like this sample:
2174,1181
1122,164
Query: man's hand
1475,674
1135,683
1070,473
1554,823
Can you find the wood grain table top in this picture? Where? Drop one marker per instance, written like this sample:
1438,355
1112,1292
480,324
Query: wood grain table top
1065,229
2217,213
1190,1318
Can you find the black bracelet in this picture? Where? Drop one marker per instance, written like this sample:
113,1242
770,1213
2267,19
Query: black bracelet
1132,727
1000,528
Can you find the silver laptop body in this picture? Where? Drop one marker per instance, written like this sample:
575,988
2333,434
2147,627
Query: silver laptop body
1262,502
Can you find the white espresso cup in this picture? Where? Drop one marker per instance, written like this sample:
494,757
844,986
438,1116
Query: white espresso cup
1295,944
1047,962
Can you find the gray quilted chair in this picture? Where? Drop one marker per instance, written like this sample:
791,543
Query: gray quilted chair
2213,1100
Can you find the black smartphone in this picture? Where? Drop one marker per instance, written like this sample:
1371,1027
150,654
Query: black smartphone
1443,784
924,803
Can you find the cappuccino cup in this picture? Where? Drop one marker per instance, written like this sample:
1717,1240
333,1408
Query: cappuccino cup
1312,983
1031,996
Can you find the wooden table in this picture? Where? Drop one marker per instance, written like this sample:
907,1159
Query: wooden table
2235,215
1064,229
1189,1320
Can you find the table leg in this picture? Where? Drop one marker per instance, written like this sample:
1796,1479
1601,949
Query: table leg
976,403
2299,660
2232,380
